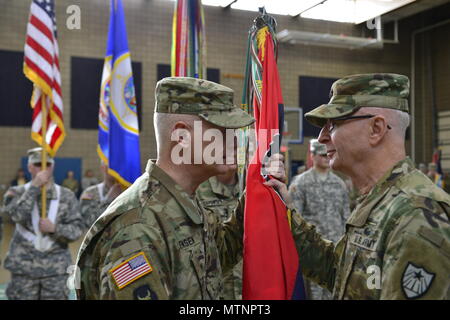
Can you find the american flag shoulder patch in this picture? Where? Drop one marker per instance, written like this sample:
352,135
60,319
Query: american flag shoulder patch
130,270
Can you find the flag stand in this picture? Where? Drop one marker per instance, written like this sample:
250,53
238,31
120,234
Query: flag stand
44,155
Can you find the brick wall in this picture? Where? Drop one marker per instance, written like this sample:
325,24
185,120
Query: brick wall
149,35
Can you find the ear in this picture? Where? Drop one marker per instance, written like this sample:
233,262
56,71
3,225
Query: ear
181,134
377,130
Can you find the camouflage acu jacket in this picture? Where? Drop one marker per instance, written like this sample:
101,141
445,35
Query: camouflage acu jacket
325,204
92,204
216,196
185,248
222,200
22,257
396,245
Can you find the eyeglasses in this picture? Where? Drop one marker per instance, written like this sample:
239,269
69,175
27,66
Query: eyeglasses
330,125
39,164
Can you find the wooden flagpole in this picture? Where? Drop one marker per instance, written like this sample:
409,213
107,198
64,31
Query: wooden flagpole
44,154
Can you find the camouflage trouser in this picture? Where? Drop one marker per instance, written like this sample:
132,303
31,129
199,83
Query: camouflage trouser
25,288
232,283
316,292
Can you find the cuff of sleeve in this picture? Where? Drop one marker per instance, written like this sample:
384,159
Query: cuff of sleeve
33,190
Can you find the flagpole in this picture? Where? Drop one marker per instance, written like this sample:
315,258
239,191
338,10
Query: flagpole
44,154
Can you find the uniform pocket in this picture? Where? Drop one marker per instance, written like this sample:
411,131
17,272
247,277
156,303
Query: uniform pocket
197,259
362,275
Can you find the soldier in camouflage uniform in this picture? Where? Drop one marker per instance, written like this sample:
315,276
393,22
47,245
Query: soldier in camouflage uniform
95,199
323,200
154,241
397,240
220,194
38,265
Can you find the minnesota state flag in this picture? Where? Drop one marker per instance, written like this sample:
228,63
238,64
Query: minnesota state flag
118,134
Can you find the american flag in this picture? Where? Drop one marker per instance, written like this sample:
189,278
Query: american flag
130,270
41,66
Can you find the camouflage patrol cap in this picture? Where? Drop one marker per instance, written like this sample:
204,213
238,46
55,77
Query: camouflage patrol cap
380,90
206,99
317,148
35,156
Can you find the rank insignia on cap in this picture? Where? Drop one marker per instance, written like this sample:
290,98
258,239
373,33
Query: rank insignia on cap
416,281
130,270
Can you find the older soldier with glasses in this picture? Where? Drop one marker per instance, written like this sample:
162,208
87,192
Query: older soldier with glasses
397,240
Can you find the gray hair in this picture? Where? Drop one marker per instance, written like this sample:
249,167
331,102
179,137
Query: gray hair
398,120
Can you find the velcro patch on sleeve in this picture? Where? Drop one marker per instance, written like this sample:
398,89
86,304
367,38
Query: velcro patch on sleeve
10,193
130,270
86,196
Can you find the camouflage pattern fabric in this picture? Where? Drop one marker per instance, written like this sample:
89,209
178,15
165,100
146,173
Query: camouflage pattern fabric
91,204
222,200
209,100
35,156
26,288
399,233
71,184
325,204
316,147
381,90
187,248
23,259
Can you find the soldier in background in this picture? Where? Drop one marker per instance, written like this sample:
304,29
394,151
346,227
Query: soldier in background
95,199
301,169
323,200
71,183
435,176
423,168
88,179
220,195
38,255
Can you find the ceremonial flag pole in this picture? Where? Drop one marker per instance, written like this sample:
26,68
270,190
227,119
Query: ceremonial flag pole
271,263
41,66
44,156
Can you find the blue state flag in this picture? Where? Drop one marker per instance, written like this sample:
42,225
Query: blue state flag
118,134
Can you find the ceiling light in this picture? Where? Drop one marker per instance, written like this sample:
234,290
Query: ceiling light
353,11
217,3
282,7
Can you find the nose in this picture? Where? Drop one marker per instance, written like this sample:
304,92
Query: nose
324,135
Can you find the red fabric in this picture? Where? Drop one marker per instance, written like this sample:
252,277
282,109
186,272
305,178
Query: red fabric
270,256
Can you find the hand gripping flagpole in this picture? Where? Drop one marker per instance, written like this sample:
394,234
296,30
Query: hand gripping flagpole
44,154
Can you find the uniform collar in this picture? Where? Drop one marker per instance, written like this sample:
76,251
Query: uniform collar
316,174
184,200
367,202
221,189
51,192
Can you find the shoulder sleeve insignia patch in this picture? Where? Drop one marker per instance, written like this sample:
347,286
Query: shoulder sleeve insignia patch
144,293
416,281
86,196
10,193
130,270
